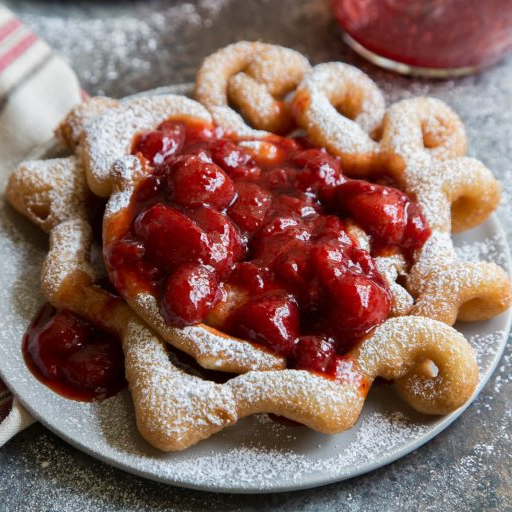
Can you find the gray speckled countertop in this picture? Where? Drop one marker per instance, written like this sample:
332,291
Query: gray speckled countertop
120,47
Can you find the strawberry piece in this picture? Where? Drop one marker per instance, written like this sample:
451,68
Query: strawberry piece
379,210
64,334
149,188
229,156
97,365
251,276
195,183
159,145
225,243
68,349
293,267
272,320
417,230
315,353
251,206
384,212
189,295
170,237
319,170
358,304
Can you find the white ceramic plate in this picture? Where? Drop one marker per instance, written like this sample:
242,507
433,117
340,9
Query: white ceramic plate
256,454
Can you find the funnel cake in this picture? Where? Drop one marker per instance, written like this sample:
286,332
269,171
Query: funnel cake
218,233
304,273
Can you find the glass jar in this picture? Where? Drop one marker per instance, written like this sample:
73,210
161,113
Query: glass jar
427,37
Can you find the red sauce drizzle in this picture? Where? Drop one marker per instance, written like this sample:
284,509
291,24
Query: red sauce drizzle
72,357
212,224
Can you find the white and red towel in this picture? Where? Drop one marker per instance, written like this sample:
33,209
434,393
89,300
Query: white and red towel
36,90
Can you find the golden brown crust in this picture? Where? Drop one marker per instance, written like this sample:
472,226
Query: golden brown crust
49,192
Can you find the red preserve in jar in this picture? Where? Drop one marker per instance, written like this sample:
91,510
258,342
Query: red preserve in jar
429,37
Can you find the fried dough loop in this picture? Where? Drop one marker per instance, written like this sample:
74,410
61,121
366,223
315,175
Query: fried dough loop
49,192
255,78
420,142
423,142
71,128
341,108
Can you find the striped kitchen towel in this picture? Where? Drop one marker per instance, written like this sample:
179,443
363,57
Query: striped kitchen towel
36,90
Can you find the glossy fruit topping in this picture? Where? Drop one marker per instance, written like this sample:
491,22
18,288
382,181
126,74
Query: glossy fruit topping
195,282
158,145
170,237
316,353
384,212
252,235
194,182
251,206
73,357
272,320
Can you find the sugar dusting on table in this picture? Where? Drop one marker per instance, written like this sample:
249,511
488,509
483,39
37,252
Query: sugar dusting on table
120,46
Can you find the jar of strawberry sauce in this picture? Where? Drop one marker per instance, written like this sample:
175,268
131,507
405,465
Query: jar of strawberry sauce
436,38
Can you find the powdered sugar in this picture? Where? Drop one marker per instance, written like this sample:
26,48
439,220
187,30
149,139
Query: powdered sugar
315,102
272,65
244,454
49,192
114,48
210,348
485,345
81,116
391,267
490,249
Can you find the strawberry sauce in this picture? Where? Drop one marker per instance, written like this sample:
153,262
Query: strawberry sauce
72,357
253,240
